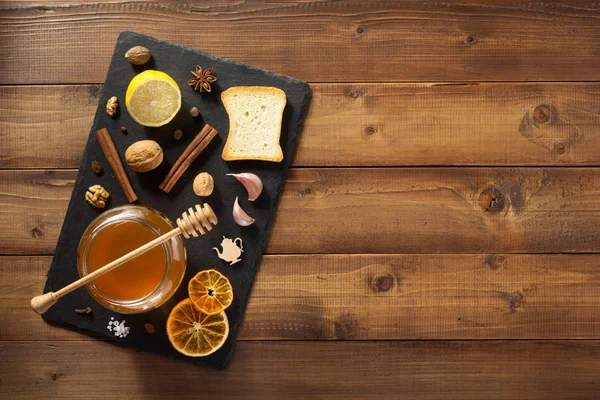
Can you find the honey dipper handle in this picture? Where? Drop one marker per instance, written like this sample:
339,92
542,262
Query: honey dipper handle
42,303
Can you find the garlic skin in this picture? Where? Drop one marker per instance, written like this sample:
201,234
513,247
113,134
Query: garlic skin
239,216
251,182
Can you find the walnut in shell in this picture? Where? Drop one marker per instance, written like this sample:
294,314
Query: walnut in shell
204,184
138,55
144,155
97,196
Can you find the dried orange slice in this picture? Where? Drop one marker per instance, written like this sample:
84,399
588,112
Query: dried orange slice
210,291
194,333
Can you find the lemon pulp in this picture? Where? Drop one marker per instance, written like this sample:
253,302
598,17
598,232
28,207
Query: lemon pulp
152,98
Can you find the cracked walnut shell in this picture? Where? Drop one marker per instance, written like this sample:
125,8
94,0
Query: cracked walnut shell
97,196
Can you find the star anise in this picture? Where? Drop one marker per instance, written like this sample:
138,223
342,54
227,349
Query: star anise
202,79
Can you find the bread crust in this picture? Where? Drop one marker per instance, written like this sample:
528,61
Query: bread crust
227,154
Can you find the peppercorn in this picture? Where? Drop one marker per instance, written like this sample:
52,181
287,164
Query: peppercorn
194,112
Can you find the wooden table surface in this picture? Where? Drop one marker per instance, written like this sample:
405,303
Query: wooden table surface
438,235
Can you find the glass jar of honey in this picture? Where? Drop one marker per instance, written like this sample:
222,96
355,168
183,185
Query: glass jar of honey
144,282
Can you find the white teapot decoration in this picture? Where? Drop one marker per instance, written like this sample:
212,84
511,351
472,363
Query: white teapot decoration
232,251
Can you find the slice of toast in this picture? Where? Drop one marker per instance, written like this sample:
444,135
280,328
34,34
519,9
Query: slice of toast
255,114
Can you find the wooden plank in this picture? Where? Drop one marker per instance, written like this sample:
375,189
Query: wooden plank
435,370
383,297
438,210
373,210
355,125
22,278
45,125
32,208
338,41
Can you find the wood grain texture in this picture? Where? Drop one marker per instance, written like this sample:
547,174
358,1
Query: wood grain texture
363,307
355,125
376,297
46,125
438,210
373,210
22,278
327,41
32,208
441,370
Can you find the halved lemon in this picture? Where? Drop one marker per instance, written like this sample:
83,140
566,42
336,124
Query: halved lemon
194,333
152,98
210,292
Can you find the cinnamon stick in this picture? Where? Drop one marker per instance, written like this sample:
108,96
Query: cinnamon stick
188,156
185,154
110,151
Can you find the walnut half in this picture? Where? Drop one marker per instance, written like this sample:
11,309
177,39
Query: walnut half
111,106
97,196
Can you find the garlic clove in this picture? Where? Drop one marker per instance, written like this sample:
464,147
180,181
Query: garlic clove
240,216
251,182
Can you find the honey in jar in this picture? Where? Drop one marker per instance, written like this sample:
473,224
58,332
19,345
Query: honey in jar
144,282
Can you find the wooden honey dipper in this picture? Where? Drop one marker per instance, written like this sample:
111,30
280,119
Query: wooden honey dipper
190,224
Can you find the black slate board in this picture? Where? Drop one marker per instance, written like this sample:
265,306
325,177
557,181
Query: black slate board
176,61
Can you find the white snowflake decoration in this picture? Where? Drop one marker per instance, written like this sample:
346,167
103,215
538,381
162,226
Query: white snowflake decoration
119,329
